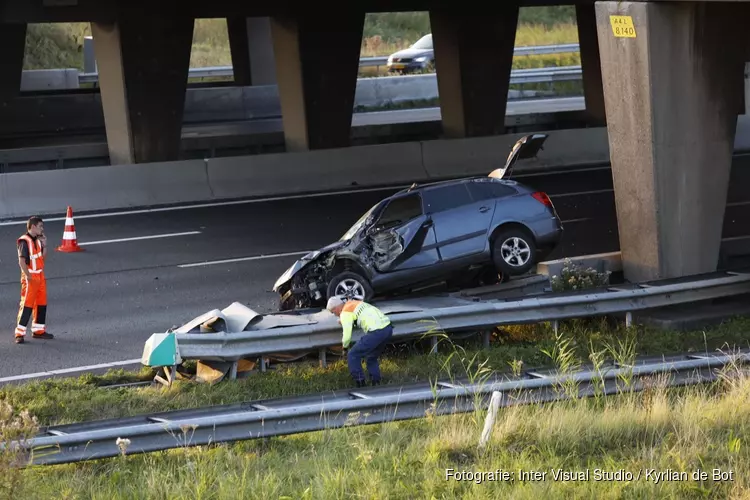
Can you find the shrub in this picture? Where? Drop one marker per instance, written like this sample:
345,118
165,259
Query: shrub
575,277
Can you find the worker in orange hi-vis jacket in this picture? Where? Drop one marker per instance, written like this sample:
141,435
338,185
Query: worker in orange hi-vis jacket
32,248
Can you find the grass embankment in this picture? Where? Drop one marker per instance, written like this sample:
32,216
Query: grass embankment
61,45
683,430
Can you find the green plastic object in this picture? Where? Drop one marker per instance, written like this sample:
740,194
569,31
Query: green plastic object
161,350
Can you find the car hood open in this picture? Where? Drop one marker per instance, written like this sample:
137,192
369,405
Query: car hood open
527,146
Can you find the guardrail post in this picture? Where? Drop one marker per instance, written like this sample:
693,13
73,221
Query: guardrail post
490,420
555,325
628,319
486,339
322,357
434,342
262,364
233,371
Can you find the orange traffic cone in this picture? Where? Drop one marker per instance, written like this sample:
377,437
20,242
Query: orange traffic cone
69,240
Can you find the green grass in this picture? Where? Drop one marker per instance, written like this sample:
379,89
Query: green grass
685,430
59,401
61,45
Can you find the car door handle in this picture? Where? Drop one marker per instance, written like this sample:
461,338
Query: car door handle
484,209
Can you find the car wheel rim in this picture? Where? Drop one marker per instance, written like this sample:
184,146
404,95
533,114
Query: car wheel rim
515,252
350,289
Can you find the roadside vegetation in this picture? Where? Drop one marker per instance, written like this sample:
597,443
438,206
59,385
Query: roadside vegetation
697,435
61,45
683,430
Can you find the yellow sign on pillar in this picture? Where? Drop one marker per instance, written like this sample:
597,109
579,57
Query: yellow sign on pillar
622,26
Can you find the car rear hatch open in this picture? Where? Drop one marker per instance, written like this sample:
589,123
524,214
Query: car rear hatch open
527,146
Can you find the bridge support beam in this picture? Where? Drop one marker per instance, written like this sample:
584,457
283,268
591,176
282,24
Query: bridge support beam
143,65
252,50
473,60
317,77
593,88
672,92
13,42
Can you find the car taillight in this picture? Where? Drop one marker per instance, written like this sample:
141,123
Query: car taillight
542,198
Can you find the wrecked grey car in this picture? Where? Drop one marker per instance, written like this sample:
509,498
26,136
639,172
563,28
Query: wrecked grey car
476,230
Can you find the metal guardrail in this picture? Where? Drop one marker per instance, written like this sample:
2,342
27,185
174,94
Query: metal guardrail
417,317
277,417
517,76
533,50
364,62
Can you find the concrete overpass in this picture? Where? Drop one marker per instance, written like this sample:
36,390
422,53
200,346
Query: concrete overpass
143,71
666,78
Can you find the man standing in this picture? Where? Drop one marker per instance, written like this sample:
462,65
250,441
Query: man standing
32,248
378,332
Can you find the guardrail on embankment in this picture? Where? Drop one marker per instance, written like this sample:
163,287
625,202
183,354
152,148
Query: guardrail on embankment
277,417
70,78
433,315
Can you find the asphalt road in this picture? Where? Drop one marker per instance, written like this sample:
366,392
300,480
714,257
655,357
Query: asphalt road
105,302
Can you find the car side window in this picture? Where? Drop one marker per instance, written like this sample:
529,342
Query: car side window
481,190
446,197
400,211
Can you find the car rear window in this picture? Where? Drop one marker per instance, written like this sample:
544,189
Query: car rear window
446,197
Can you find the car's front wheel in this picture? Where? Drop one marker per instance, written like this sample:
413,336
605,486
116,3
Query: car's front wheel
513,251
350,286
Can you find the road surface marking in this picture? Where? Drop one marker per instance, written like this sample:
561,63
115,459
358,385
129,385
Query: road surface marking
282,198
136,238
582,193
63,371
243,259
213,204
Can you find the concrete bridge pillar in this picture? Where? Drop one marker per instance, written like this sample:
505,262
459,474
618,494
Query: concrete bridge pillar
473,60
252,50
673,88
143,65
13,43
593,89
317,62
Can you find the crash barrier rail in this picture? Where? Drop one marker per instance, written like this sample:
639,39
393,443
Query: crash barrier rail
517,76
364,62
284,416
535,50
437,315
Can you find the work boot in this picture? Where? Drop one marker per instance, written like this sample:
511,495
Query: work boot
44,335
19,340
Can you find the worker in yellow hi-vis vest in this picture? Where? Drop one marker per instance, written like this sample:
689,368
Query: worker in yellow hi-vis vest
378,332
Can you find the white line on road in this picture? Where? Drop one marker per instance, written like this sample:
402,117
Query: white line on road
243,259
136,238
281,198
211,205
581,193
289,254
63,371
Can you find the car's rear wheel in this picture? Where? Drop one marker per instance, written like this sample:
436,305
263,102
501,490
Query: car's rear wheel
350,286
513,251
